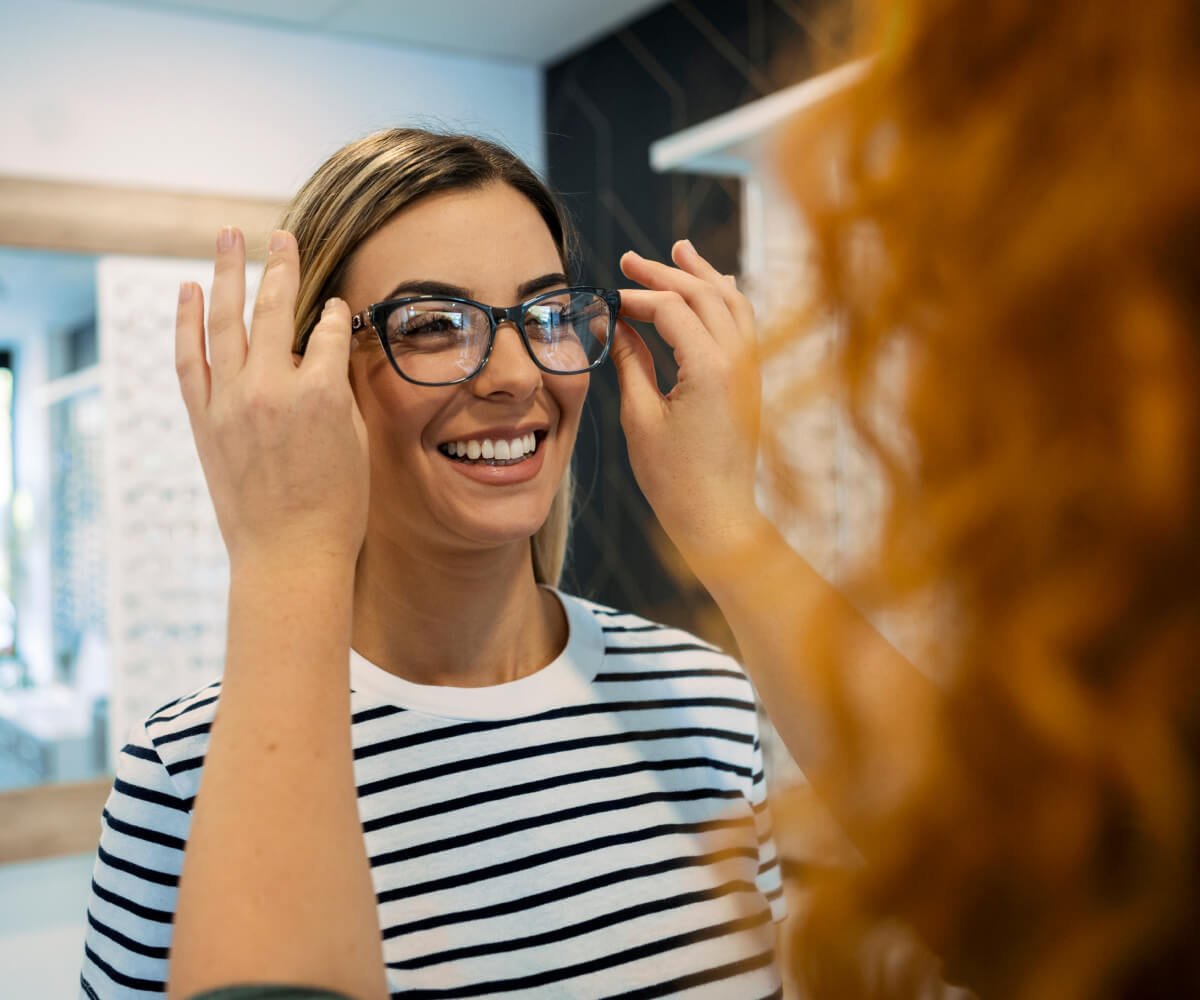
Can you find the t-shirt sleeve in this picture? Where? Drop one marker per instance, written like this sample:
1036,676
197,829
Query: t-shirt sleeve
770,872
135,879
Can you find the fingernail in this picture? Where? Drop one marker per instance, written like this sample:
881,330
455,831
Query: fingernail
225,239
632,253
279,241
329,304
185,292
687,245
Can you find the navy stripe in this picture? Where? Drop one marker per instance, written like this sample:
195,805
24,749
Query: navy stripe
568,712
549,819
713,975
141,832
145,912
170,704
677,647
152,796
575,930
127,942
526,753
545,784
158,718
145,874
662,675
141,753
647,950
378,712
132,982
570,890
636,628
182,734
555,854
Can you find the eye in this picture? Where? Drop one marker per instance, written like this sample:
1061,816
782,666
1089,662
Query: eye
421,328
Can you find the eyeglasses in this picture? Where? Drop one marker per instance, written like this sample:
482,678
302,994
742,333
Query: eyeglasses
440,340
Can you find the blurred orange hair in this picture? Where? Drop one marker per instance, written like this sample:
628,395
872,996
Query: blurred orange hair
1019,214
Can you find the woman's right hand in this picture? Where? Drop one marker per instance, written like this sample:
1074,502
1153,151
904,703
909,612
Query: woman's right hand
281,440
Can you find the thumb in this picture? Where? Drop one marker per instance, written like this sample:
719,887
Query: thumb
640,399
329,343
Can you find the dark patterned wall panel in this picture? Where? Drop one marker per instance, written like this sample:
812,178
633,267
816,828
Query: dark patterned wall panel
681,65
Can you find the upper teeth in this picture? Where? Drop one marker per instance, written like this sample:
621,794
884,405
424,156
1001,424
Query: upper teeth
502,448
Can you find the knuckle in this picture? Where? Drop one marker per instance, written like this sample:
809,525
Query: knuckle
277,263
261,404
271,298
186,368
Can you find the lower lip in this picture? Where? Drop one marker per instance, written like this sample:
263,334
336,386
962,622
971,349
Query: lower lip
500,475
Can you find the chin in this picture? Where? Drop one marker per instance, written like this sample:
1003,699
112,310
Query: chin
500,528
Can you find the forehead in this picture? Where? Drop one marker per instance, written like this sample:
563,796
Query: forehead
488,240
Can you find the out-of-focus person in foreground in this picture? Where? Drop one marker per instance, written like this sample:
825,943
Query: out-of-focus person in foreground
1017,220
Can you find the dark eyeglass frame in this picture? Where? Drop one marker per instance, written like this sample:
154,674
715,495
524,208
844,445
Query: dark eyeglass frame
374,317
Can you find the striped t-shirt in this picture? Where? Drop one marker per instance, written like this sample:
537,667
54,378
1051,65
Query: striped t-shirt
597,828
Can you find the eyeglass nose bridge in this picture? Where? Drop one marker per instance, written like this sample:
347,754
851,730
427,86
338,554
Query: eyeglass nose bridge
499,316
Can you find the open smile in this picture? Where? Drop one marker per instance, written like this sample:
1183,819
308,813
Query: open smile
494,450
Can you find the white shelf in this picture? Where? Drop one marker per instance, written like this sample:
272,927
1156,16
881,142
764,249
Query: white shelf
732,144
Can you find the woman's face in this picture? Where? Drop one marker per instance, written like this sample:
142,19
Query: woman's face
490,245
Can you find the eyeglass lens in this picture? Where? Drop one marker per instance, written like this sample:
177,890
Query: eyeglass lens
436,341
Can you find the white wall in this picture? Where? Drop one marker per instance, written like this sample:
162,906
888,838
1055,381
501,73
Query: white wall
119,95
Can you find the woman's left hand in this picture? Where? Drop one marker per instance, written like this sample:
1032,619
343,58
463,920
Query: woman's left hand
694,450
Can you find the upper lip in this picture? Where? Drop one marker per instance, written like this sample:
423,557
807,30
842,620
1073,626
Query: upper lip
495,433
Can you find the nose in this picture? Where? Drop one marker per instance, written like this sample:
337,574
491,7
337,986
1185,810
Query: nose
509,370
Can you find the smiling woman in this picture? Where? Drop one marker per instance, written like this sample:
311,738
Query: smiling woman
538,795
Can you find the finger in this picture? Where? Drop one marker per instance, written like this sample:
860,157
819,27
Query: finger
641,401
190,364
704,299
226,328
686,256
675,321
328,346
272,329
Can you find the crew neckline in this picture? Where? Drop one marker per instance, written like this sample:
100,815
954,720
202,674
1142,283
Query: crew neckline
566,680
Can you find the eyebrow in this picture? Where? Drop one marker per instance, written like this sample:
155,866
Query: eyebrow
524,290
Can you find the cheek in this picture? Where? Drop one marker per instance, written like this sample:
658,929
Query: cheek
394,411
569,392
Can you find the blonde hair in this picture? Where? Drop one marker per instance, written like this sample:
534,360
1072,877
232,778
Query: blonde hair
367,182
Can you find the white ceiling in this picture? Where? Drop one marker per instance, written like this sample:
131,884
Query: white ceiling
531,31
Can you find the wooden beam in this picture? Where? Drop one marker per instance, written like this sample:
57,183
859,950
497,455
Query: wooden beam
94,218
49,820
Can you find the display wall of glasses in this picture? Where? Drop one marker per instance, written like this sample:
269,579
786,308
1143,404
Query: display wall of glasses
168,572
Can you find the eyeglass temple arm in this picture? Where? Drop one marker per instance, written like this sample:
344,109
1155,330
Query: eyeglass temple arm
359,321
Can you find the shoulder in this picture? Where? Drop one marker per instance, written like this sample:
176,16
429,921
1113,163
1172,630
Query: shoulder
639,648
176,735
